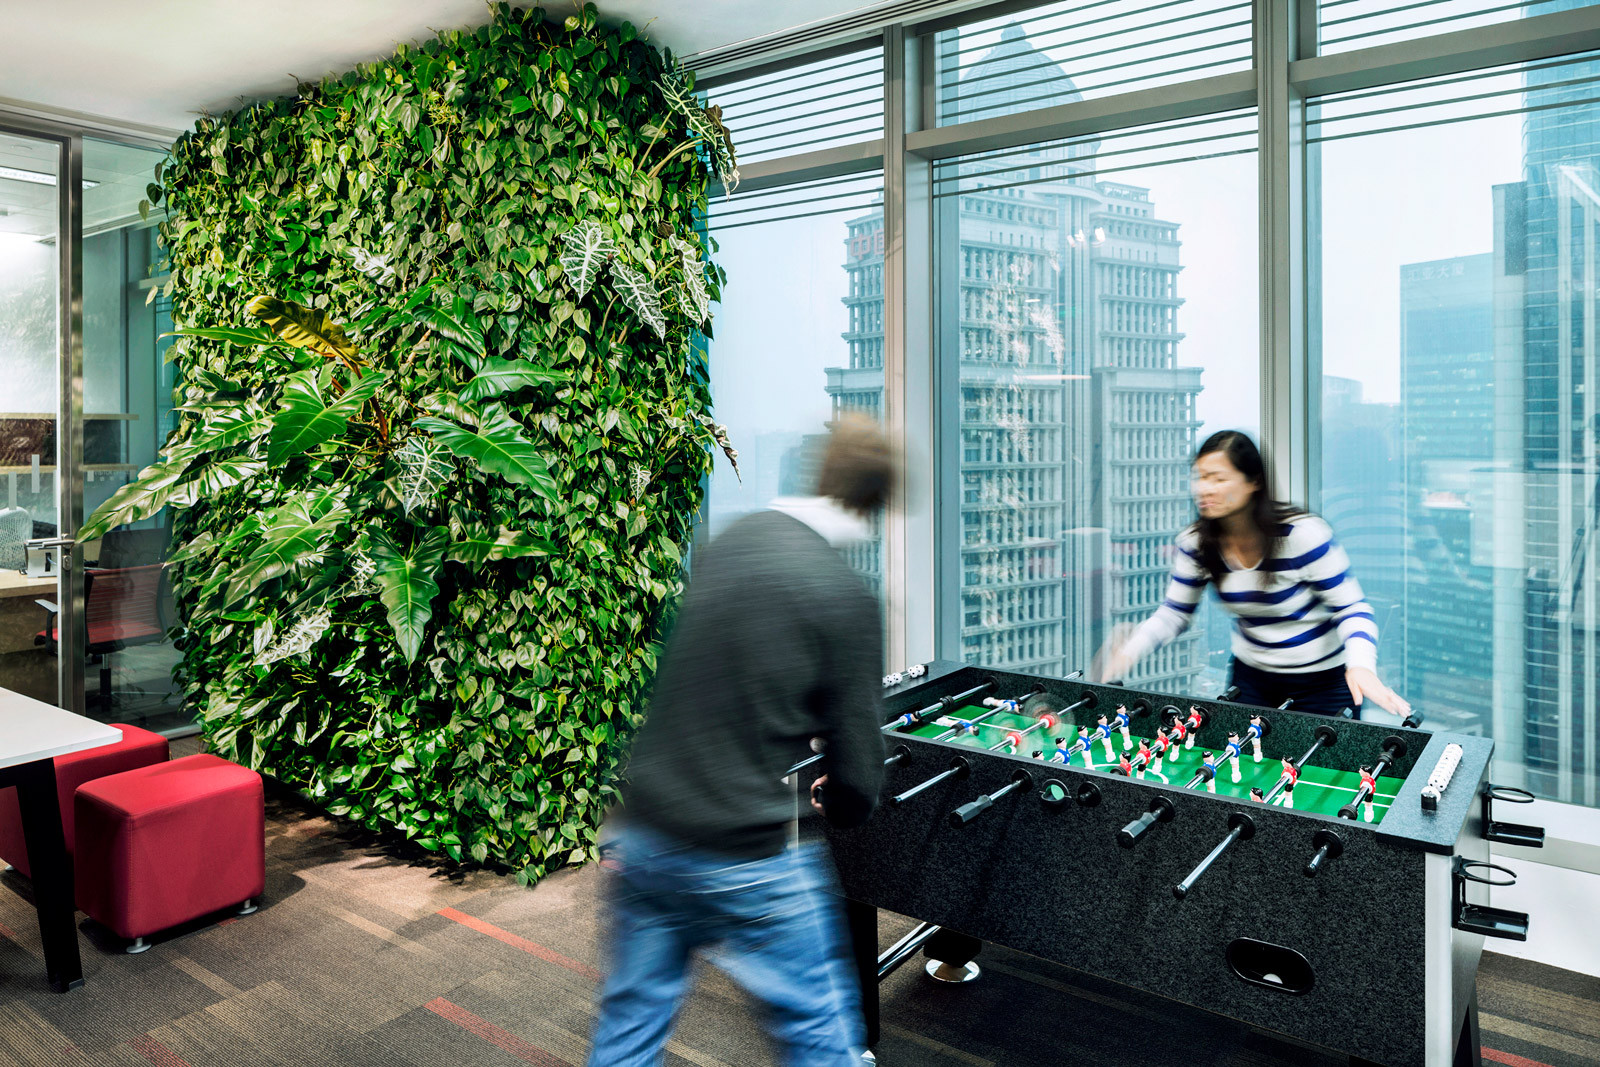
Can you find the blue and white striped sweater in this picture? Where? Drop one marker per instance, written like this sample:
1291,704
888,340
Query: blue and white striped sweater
1309,616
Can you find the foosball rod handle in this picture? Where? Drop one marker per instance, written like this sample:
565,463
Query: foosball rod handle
969,811
1285,705
1242,828
1161,810
1329,846
959,769
1229,693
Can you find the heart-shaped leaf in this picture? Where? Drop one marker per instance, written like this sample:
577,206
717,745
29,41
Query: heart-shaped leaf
480,544
497,447
406,584
496,376
306,420
586,248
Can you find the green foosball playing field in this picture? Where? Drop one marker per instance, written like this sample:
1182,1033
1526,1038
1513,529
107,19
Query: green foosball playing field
1319,790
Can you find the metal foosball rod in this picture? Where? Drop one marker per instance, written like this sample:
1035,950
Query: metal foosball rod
1258,729
901,754
1394,750
1013,707
1102,732
1240,828
944,705
959,768
1326,737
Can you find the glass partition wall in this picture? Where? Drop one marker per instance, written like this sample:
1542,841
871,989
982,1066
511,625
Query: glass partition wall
85,402
1101,230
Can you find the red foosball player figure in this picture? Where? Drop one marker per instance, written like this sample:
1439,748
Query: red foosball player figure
1163,742
1144,756
1370,784
1125,766
1292,773
1179,733
1194,717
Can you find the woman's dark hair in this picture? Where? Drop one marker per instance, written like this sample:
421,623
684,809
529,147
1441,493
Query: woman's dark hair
859,467
1266,512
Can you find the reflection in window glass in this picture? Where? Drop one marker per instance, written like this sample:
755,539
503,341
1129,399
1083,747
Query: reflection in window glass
1080,49
1461,427
1100,318
799,338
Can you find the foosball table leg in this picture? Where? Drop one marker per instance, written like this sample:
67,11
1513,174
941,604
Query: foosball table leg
862,920
1468,1052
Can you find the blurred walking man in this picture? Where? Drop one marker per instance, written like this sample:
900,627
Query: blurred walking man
777,642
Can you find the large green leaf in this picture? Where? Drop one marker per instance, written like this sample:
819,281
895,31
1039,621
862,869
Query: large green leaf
459,323
481,544
207,480
226,425
306,420
139,499
294,536
258,336
303,327
497,447
496,376
585,249
405,583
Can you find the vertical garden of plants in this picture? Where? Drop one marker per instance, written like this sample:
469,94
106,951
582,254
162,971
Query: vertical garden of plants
444,425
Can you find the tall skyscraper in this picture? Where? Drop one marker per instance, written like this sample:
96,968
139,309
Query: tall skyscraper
1557,208
1447,406
1076,423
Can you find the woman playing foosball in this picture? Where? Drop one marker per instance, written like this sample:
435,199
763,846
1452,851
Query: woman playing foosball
1302,630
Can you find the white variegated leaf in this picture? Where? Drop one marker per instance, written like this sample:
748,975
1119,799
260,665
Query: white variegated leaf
694,280
639,293
586,247
425,465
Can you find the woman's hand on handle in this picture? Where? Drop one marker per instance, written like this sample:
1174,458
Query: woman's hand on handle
1364,685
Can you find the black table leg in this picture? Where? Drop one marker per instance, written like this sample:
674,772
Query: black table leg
52,872
863,922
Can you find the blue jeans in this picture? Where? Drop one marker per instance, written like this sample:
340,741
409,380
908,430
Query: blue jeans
773,926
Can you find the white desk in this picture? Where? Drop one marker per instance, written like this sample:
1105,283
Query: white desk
32,733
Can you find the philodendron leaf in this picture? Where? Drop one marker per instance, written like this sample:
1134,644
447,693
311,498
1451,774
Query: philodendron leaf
306,420
227,425
425,465
139,499
209,479
458,323
586,246
694,279
295,535
497,447
496,376
480,544
303,327
406,584
639,293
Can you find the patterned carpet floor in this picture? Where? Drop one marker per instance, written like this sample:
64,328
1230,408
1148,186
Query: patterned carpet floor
366,955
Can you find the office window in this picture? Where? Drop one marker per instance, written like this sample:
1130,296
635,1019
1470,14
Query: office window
1089,359
1347,24
1080,49
799,338
815,105
1456,273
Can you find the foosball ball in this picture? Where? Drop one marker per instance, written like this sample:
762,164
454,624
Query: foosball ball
1317,877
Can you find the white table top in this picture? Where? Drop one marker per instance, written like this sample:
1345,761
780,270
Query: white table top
33,730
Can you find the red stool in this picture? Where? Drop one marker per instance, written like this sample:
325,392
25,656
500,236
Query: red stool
165,844
138,748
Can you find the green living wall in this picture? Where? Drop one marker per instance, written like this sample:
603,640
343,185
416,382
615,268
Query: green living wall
444,425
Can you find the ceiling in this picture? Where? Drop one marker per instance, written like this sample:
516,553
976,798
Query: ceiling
161,63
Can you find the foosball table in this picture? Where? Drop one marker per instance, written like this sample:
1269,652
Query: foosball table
1317,877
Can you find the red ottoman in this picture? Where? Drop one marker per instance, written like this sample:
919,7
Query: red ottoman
138,748
165,844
